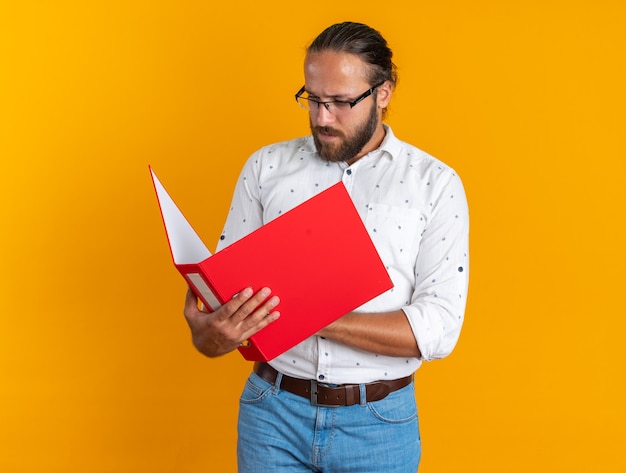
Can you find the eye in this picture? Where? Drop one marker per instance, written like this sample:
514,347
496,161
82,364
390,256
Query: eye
341,104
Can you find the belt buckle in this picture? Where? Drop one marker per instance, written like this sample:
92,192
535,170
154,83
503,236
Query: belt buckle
313,396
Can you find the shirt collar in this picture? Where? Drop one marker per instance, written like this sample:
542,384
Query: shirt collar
390,145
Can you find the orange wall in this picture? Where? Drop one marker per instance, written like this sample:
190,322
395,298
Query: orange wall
524,98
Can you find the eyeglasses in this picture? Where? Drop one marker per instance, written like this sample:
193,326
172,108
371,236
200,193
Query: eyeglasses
336,106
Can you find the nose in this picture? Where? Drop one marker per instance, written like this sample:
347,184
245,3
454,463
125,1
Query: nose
322,116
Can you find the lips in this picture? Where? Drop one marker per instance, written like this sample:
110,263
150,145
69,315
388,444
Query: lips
326,132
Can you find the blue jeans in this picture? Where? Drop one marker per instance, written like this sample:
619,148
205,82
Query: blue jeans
282,432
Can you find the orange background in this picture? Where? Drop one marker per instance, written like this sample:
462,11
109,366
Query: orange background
524,98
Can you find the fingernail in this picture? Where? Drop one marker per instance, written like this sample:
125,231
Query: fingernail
265,292
247,292
273,302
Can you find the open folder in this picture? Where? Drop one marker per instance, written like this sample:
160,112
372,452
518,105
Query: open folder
317,258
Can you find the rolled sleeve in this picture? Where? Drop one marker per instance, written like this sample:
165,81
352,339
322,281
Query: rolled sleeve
437,307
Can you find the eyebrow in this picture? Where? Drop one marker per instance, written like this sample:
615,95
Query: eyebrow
340,98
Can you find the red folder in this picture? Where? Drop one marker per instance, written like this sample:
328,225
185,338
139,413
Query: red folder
318,258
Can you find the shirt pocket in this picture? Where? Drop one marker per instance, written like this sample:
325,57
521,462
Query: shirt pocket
396,233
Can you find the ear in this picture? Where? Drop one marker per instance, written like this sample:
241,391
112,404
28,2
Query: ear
383,94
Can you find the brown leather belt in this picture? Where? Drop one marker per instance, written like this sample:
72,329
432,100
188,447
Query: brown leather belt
336,395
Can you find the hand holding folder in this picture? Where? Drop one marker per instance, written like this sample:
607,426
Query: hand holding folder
222,331
317,258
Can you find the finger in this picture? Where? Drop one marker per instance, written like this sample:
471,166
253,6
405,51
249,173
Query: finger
261,313
246,303
191,303
254,302
231,307
261,319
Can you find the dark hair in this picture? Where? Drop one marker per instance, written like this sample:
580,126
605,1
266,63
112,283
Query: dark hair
363,41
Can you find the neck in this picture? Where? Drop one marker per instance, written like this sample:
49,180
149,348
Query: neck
374,143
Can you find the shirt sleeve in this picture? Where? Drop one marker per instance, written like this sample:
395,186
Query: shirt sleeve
437,307
246,211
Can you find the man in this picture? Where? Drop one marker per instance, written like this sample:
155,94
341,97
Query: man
362,365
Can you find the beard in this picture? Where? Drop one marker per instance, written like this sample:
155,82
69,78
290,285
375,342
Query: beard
350,145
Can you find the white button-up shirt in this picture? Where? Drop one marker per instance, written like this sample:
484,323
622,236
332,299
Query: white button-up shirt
415,211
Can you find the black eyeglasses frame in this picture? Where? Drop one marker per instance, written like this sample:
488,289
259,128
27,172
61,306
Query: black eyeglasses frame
326,105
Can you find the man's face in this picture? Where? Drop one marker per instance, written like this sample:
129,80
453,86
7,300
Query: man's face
349,134
335,145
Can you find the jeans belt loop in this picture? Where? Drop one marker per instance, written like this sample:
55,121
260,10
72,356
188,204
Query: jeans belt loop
363,393
279,378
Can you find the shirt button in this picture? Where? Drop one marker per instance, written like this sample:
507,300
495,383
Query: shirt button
349,171
321,377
